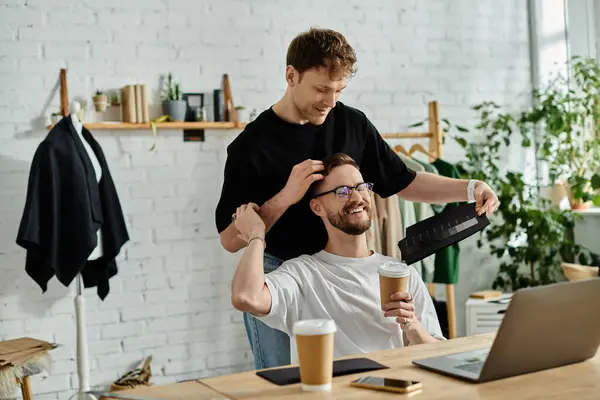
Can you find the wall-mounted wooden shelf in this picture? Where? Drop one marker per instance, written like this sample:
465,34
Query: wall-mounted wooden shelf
162,125
192,131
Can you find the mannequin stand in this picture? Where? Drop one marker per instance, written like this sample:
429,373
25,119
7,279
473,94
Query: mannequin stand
83,366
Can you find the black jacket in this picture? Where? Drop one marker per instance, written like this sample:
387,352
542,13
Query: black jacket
65,207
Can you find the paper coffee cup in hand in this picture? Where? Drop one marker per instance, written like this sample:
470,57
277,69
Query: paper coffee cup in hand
314,341
393,278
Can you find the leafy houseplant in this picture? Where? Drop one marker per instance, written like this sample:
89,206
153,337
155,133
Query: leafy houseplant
530,235
568,112
100,101
172,103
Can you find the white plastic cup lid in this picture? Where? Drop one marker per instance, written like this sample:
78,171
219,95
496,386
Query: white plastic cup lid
394,270
314,327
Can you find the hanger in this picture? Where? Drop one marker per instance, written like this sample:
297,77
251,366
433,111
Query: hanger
401,149
74,108
419,147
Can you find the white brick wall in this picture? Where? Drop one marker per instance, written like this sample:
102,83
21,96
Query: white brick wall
171,297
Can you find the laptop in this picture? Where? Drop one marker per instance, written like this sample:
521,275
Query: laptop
543,327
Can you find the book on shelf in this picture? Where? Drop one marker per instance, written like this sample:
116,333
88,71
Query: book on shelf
134,104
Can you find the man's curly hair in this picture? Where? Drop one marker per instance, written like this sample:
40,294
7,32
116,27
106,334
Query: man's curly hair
329,163
322,48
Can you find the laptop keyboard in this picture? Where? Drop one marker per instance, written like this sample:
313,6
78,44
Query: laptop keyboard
474,367
435,233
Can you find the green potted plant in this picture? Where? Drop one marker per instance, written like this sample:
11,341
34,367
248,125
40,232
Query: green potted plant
242,114
531,236
100,101
114,98
567,113
172,102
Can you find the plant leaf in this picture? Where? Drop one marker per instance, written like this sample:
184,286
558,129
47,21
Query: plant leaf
416,124
595,181
462,142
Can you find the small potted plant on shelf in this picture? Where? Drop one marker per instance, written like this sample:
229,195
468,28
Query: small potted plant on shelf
55,117
242,114
114,98
100,101
172,102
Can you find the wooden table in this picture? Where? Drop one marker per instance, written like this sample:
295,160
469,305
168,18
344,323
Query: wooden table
578,381
189,390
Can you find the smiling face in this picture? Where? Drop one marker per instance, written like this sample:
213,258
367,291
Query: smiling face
314,92
351,215
319,63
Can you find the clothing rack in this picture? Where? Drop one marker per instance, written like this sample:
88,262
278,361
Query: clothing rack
434,150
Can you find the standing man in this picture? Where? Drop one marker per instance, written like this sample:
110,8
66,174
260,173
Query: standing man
277,157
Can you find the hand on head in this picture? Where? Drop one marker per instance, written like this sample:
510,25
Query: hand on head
301,178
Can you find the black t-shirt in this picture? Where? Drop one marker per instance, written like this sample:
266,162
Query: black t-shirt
261,158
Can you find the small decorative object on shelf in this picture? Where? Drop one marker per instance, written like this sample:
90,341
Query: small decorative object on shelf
173,104
242,114
114,98
134,103
100,101
55,117
196,111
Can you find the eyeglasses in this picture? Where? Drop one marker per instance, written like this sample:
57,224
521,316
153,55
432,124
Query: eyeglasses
344,192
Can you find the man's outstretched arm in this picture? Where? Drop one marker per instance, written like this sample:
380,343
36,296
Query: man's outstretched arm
436,189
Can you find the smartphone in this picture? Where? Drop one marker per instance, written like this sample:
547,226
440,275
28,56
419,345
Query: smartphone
387,384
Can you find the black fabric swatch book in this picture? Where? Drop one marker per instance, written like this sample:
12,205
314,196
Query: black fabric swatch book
440,231
291,375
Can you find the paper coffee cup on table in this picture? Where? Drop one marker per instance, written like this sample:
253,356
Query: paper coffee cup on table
393,278
314,341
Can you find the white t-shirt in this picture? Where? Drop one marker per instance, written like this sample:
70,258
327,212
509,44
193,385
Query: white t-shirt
345,290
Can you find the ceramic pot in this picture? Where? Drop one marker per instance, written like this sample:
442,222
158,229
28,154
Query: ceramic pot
176,109
242,115
100,102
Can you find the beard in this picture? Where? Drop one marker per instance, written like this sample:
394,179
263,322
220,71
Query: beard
341,220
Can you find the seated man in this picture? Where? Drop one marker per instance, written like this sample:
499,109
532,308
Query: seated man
340,282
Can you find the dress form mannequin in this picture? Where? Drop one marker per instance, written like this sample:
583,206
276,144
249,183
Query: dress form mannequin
83,368
74,109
